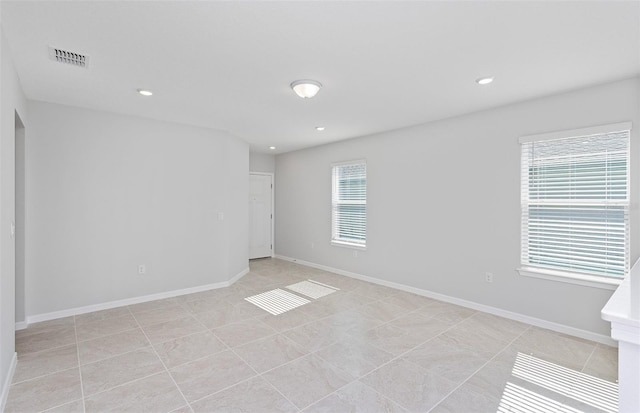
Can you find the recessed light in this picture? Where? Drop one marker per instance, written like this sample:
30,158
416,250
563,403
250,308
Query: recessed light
145,92
320,128
306,88
272,147
484,80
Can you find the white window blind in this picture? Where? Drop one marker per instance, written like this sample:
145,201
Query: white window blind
575,202
349,204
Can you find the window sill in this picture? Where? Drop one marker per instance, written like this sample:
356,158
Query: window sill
571,278
346,244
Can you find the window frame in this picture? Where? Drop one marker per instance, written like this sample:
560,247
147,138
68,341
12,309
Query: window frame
335,241
562,275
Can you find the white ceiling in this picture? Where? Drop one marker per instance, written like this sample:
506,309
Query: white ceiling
384,65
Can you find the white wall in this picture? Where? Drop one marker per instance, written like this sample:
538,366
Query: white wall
262,162
107,192
11,101
443,204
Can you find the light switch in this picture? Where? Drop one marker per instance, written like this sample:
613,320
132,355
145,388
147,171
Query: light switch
220,216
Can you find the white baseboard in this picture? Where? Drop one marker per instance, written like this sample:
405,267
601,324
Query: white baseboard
549,325
7,382
128,301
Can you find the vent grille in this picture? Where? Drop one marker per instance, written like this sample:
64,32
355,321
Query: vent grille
67,57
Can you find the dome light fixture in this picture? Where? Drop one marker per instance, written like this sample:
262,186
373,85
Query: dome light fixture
320,128
484,80
145,92
306,88
272,147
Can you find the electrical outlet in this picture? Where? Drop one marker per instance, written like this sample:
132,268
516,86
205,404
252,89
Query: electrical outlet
313,245
142,269
488,277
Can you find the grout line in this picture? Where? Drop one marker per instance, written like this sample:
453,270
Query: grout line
481,367
589,358
75,330
162,362
394,358
260,375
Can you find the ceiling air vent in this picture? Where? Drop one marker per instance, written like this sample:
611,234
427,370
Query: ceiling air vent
71,58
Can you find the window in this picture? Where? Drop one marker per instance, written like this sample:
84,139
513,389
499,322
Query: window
349,204
575,203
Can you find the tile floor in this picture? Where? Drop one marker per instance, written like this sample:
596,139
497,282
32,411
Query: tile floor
365,348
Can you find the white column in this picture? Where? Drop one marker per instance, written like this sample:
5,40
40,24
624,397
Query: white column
623,311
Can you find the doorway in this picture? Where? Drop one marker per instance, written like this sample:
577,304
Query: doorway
260,215
20,221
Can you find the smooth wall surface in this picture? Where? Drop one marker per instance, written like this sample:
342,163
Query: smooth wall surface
106,193
262,162
12,101
443,204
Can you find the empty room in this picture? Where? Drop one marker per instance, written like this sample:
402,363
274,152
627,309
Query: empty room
319,206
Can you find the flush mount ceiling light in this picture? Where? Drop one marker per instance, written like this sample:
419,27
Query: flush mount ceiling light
272,147
306,88
145,92
320,128
484,80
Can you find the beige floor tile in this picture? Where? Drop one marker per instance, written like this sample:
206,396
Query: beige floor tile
314,336
170,330
383,311
351,322
153,305
209,375
161,315
31,365
227,314
113,345
102,315
185,349
45,327
355,398
243,332
445,357
408,384
44,392
46,339
466,399
377,292
356,357
405,333
270,352
287,321
204,305
603,363
105,327
106,374
492,326
409,301
76,406
559,348
446,312
156,393
263,399
306,380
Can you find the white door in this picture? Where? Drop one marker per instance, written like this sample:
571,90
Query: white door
260,215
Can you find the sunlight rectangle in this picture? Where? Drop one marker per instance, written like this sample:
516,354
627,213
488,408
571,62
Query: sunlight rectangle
277,301
312,289
579,386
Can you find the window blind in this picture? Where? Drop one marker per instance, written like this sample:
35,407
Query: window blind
575,204
349,203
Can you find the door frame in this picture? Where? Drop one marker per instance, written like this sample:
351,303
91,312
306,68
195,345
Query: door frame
273,210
